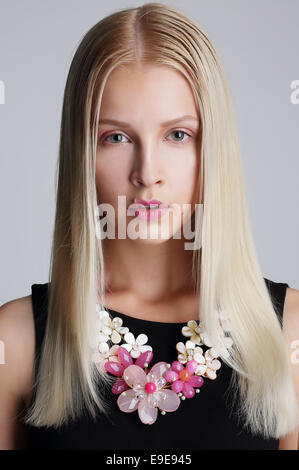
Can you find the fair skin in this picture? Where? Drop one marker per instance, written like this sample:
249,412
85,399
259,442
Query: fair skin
148,161
148,165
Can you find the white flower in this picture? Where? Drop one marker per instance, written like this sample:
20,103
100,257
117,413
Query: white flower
223,349
209,365
224,321
104,329
216,347
201,369
113,353
117,330
197,334
104,354
192,330
212,365
136,347
205,337
188,352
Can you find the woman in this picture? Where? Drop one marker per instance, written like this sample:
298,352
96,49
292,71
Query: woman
150,77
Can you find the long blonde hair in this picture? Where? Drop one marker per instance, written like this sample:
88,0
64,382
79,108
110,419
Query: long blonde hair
225,269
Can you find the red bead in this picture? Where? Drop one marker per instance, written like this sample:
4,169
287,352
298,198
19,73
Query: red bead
150,387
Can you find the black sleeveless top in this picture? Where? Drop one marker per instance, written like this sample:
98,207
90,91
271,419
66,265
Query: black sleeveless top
203,422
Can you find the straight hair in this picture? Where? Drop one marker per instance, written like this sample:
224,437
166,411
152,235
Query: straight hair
225,268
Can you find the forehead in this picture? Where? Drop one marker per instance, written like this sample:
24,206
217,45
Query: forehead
135,92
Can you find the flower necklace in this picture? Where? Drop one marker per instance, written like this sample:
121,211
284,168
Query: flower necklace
165,385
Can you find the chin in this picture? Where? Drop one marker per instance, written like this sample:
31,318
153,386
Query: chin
151,241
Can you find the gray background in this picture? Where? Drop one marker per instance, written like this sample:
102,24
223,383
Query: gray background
258,44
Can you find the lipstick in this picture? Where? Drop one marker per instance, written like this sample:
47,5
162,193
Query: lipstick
148,210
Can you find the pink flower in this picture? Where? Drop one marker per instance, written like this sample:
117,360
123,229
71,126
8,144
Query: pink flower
183,378
124,359
146,392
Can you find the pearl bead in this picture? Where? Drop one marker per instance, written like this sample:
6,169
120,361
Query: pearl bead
163,412
197,390
183,397
145,364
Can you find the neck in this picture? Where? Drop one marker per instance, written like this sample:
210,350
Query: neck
150,272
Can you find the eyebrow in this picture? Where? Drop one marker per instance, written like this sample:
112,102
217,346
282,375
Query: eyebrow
163,124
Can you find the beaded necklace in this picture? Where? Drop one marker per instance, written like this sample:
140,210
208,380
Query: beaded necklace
164,386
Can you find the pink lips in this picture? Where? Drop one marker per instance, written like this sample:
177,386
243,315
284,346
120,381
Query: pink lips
138,209
152,201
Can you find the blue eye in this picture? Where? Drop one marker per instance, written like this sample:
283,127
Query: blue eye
179,131
119,139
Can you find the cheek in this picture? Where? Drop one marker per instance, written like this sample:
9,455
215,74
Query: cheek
184,176
107,169
110,180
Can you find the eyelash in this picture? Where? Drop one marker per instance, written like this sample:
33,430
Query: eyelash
175,130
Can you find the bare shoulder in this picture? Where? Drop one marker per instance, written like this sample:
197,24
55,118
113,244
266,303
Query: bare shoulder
291,335
291,314
17,335
17,332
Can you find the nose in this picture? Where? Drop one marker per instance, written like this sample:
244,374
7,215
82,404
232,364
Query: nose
147,168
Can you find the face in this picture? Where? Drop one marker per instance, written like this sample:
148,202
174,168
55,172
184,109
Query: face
141,155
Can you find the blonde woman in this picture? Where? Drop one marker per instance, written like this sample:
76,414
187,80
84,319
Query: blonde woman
147,115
